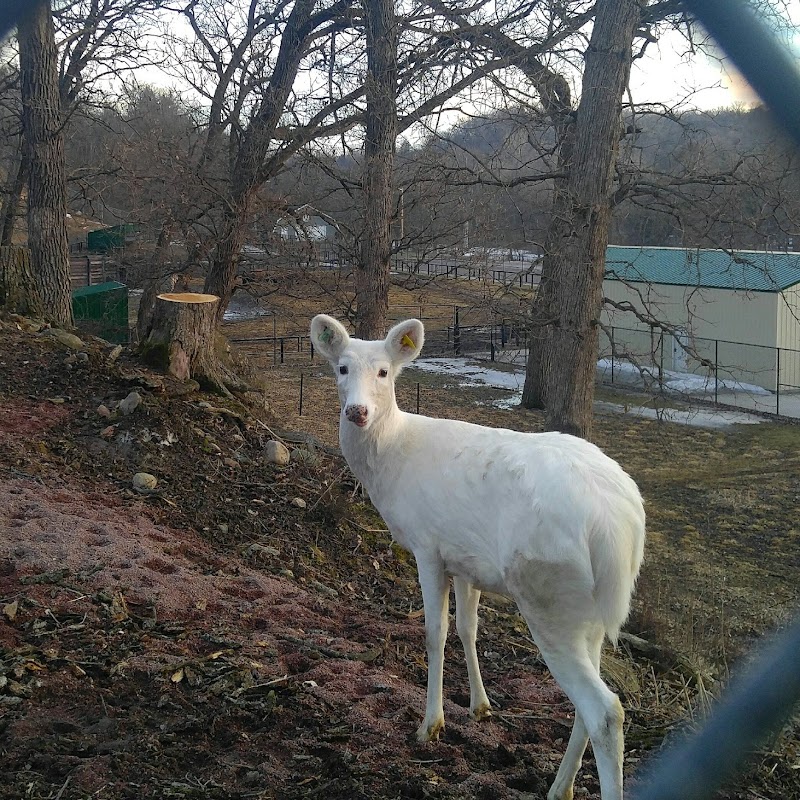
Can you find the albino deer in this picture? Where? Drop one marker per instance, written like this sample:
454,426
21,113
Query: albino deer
544,518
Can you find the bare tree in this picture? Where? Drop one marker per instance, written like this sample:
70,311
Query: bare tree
563,356
97,43
44,151
13,168
372,270
259,121
249,170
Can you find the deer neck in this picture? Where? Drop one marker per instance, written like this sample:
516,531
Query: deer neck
369,452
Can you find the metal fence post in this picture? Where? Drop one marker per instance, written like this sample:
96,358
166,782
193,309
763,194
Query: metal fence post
716,371
88,271
778,384
456,335
612,355
300,414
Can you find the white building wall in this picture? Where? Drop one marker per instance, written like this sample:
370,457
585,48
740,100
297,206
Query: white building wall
711,319
789,336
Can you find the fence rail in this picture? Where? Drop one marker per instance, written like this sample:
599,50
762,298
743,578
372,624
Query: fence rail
752,376
527,273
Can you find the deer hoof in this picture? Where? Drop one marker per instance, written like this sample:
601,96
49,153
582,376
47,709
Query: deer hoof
430,732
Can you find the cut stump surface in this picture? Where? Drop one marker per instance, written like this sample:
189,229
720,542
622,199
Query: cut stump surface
180,338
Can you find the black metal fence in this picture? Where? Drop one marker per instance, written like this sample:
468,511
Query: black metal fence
752,376
730,374
464,334
525,273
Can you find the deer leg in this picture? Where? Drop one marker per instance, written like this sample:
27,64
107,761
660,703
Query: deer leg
564,644
435,592
467,599
562,788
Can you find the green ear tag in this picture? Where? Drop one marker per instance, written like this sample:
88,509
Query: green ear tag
407,341
326,336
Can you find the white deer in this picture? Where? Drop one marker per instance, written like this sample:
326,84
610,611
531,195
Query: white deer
544,518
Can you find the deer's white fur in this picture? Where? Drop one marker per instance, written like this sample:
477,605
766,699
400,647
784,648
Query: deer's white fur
545,518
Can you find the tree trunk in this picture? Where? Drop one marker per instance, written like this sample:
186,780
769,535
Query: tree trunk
224,271
13,202
155,282
181,339
248,172
563,359
17,287
152,288
44,150
544,313
372,273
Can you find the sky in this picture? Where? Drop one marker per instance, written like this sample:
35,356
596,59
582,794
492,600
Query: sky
667,73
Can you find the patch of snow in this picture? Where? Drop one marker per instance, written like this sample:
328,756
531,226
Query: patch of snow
696,417
474,374
698,384
467,373
245,308
679,382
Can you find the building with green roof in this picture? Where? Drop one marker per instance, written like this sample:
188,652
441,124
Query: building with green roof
739,307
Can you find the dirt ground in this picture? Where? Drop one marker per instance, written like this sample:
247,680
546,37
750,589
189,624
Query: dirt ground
247,630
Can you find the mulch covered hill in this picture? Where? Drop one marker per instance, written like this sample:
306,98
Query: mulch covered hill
242,630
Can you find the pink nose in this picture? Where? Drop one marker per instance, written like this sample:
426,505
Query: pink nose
357,415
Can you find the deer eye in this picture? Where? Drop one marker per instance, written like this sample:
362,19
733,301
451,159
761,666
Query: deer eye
382,373
343,370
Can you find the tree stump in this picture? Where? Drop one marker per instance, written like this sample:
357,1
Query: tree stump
181,339
17,288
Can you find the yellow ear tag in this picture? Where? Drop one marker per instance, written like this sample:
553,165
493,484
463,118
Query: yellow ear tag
407,341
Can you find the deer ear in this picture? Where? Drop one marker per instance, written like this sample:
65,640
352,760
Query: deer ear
329,337
404,341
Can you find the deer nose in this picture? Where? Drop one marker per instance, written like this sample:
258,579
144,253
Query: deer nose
357,414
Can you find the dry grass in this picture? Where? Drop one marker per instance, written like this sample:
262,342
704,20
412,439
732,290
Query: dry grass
293,298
